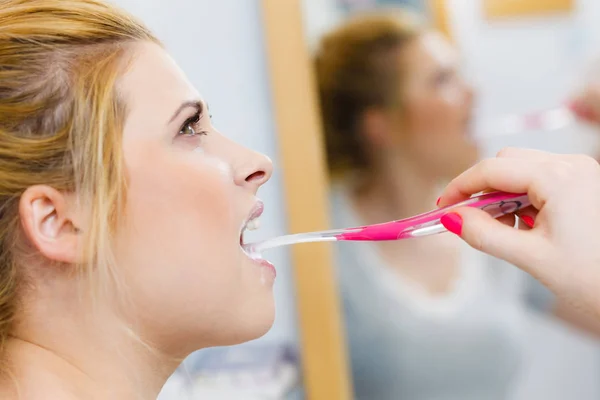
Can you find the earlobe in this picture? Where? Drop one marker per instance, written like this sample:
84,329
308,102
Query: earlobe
376,126
46,217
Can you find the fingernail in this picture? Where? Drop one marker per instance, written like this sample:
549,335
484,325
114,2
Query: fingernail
453,222
437,203
529,221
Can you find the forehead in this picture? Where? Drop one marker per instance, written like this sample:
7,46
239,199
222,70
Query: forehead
428,52
154,87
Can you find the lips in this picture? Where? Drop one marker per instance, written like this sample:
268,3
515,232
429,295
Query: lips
253,221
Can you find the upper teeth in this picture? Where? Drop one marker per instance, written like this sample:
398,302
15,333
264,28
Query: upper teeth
253,224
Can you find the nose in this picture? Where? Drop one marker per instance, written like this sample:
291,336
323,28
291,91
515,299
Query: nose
254,172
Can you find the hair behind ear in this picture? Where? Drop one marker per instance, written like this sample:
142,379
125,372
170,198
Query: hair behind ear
357,69
61,120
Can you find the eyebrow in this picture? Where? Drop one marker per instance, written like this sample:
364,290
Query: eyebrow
197,104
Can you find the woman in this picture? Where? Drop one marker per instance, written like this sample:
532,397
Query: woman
121,210
425,319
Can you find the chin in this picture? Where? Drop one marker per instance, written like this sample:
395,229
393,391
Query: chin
252,325
255,332
193,341
468,157
451,170
261,324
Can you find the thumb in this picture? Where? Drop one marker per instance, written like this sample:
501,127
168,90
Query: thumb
484,233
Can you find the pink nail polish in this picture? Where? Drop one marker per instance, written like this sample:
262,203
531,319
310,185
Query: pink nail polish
437,203
529,221
453,222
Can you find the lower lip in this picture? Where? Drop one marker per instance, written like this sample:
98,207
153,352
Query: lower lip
270,268
263,264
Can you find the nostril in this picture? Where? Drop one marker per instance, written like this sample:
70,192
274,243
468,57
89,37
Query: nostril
256,176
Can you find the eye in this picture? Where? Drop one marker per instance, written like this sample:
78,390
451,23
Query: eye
443,77
191,127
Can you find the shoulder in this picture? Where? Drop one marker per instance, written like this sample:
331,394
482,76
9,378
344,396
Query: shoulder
11,389
40,392
35,381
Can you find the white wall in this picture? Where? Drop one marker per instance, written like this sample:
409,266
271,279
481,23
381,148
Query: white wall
219,44
319,16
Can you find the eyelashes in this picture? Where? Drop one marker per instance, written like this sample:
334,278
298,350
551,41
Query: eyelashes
191,127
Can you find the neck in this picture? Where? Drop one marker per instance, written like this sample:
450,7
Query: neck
86,357
396,188
399,189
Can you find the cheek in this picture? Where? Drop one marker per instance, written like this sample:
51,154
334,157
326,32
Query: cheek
182,201
439,135
182,232
436,117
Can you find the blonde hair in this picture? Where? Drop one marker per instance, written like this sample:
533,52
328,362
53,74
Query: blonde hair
357,68
61,120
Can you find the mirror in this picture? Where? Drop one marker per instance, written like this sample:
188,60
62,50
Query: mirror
411,94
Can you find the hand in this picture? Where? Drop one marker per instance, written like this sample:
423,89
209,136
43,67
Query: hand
562,249
587,105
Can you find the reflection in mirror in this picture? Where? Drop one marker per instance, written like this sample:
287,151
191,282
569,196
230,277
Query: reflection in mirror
426,318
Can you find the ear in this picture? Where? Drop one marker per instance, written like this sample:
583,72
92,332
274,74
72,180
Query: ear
49,220
378,127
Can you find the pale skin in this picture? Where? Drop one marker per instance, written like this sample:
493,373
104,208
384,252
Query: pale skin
188,283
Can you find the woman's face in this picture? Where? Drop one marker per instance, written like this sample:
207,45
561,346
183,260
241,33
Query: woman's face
191,192
438,107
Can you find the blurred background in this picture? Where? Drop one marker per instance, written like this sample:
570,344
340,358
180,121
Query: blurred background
533,58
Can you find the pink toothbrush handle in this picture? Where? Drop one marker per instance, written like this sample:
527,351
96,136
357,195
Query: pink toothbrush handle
496,204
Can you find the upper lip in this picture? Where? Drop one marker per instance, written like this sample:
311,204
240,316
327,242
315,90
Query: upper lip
256,212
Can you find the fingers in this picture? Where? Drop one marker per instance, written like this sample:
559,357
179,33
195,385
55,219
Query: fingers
529,154
505,174
527,218
490,236
508,220
587,105
583,110
543,157
537,173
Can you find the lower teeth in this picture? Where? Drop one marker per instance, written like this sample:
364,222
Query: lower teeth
251,252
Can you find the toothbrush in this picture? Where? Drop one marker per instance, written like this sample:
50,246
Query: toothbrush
496,204
544,120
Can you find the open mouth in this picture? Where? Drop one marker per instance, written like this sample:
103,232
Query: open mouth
251,224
